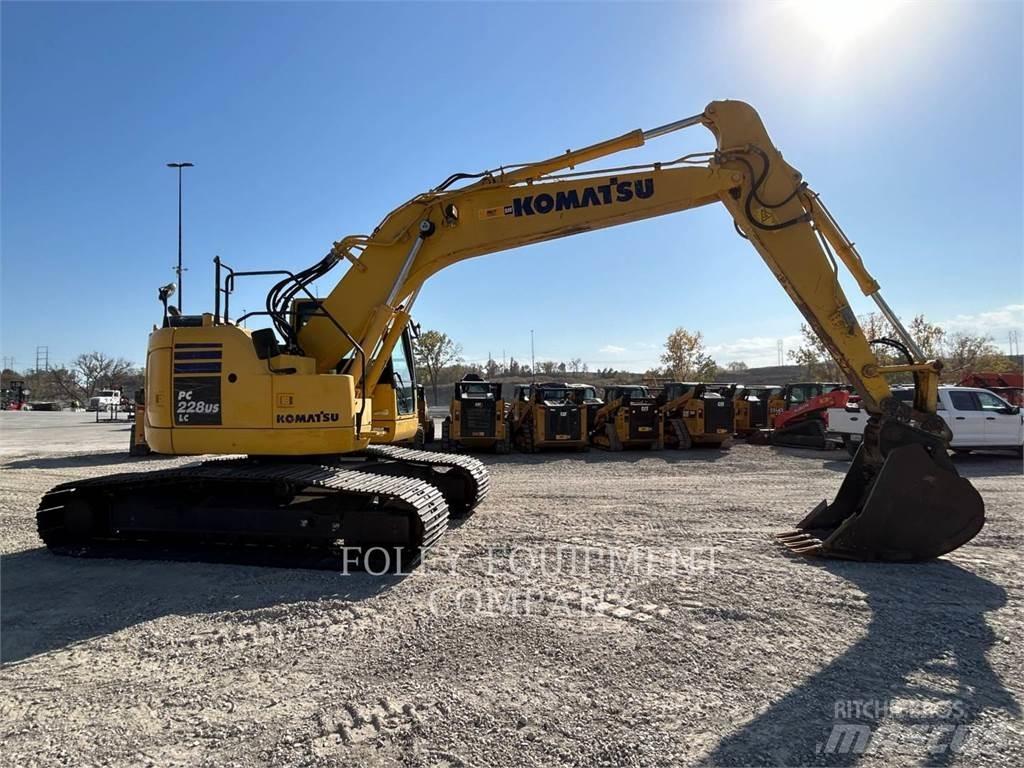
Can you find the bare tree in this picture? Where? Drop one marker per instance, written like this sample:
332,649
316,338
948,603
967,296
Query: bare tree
95,370
736,365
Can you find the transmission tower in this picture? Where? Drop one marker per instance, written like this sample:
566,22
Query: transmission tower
779,350
42,358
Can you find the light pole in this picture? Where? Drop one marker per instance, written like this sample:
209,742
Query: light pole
179,166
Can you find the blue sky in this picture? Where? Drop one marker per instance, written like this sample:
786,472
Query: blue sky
307,122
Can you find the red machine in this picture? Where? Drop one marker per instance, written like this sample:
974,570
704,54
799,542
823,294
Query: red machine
799,415
1009,386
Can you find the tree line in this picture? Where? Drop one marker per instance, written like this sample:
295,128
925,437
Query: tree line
960,353
84,377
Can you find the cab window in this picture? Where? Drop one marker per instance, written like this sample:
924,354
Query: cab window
964,401
402,378
990,402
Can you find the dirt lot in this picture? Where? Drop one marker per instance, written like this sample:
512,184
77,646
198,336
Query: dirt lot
598,610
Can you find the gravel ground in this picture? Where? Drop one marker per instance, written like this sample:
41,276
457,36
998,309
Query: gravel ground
598,610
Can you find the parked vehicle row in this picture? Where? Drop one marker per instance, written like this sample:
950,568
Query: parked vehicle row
680,415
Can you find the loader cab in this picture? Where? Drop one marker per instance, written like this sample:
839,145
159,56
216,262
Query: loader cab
545,416
626,393
585,396
752,404
629,419
476,417
798,394
673,390
552,393
693,415
729,391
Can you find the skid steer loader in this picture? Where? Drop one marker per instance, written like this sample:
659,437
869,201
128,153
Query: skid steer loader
628,419
476,417
691,415
545,416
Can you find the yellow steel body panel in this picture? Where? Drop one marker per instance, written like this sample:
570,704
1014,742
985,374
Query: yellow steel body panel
208,392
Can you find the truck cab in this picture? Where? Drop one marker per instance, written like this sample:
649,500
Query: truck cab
104,399
978,418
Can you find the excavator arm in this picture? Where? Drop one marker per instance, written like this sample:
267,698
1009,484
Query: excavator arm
772,208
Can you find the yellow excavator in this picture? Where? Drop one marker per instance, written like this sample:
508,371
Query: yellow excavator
316,408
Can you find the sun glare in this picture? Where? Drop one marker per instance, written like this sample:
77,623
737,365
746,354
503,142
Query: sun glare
842,23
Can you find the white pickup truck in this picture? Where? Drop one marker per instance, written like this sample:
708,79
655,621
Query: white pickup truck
104,399
979,420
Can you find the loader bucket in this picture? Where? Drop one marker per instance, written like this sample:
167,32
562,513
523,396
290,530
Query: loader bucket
914,507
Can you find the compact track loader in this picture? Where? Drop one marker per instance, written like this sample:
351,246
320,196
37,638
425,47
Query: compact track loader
476,417
799,415
693,416
751,405
627,420
545,417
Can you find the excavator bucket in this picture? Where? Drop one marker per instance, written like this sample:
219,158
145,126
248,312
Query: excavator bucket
910,504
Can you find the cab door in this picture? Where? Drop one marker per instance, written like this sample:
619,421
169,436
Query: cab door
1002,428
966,419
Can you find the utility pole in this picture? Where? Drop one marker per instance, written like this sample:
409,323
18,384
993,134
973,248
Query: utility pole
533,360
179,270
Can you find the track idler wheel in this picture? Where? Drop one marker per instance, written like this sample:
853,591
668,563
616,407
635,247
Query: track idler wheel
901,501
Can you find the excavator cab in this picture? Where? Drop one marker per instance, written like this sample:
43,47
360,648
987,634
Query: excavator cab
476,417
395,414
628,419
692,415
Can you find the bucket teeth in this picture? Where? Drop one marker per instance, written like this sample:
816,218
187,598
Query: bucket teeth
792,535
800,542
